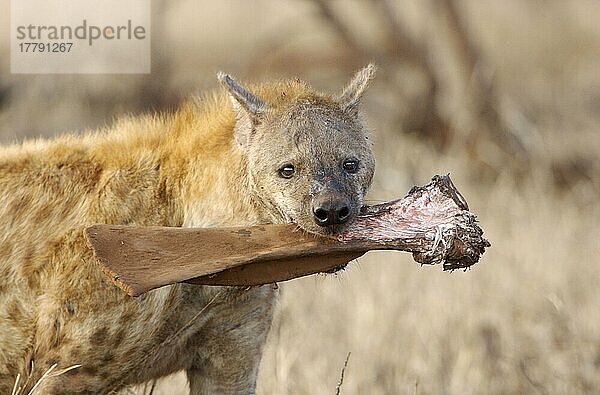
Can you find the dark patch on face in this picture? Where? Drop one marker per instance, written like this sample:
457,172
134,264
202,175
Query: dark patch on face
99,336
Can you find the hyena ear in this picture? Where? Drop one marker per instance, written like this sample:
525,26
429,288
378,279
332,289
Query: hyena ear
350,97
248,108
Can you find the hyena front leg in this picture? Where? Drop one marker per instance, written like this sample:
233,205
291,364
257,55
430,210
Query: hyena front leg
230,345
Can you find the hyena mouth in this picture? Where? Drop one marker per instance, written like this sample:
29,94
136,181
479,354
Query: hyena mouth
329,230
333,230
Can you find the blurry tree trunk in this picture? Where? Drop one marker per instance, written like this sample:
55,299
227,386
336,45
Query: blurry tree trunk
484,96
424,120
490,131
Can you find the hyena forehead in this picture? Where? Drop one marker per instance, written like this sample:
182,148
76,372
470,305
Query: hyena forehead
317,121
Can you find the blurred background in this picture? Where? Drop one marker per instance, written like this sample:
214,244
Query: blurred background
503,95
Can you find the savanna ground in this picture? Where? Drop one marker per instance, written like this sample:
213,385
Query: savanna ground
526,319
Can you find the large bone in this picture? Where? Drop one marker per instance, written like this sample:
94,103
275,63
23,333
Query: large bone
432,222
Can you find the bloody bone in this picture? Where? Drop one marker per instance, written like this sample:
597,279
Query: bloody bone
432,222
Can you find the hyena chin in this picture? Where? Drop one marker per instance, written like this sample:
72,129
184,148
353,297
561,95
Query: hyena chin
266,153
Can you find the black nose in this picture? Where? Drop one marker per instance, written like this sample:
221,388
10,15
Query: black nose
331,212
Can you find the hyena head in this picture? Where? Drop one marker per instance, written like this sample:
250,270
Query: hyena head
309,157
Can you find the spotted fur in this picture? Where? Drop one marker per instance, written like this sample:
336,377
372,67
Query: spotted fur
187,168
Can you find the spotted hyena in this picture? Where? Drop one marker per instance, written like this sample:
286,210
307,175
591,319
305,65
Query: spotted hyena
268,153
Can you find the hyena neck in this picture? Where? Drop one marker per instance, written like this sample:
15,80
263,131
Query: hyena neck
210,173
216,193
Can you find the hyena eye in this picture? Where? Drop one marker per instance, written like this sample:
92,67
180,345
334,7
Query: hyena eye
351,166
287,170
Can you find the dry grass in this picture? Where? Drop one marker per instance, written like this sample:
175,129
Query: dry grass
524,320
21,385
